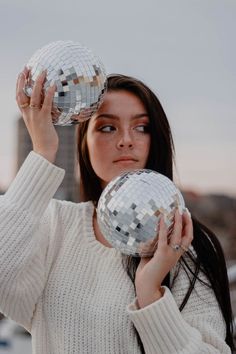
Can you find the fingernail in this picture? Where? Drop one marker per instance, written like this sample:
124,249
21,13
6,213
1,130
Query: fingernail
180,210
22,74
52,83
188,212
53,88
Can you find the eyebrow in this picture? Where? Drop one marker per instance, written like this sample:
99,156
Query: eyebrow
112,116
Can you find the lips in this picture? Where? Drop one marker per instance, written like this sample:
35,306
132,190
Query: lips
126,158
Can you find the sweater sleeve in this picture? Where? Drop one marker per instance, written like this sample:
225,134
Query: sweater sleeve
198,329
25,219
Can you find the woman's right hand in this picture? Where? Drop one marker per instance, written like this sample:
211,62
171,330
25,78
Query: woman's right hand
36,113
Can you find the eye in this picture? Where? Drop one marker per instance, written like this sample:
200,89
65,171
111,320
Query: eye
107,128
143,128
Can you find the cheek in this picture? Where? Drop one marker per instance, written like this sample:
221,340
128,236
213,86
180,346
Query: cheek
97,149
144,145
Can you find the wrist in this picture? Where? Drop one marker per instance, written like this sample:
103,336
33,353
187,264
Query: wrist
149,299
50,156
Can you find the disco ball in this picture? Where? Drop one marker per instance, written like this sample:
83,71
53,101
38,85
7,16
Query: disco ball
130,208
79,77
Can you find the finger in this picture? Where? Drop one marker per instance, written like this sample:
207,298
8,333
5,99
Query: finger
162,240
36,96
48,100
17,84
176,234
25,73
188,224
20,82
21,97
187,230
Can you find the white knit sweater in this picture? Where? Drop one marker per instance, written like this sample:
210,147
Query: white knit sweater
73,294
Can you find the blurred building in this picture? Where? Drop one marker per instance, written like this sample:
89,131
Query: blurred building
66,158
218,213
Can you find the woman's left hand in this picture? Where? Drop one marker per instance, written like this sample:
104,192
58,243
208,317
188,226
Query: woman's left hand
152,270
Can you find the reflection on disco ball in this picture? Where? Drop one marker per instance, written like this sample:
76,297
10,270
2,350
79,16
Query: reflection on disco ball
130,208
79,77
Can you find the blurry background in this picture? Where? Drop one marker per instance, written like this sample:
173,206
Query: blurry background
184,50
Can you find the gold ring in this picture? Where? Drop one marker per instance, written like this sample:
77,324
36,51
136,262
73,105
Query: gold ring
24,105
184,248
33,105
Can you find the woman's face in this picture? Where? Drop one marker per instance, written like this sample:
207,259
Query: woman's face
118,137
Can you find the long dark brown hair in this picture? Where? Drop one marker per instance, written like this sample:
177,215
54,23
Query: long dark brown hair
210,258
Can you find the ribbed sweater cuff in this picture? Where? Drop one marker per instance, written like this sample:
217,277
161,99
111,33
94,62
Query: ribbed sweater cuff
161,325
35,183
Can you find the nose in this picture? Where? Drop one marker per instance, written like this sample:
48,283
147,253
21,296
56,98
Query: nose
125,139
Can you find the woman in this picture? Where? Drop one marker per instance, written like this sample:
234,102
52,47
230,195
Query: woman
61,279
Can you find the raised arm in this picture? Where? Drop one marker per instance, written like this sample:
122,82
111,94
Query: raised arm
26,210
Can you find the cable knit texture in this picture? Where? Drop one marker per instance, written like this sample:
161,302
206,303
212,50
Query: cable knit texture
73,294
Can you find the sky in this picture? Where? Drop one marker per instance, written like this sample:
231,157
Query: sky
184,50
